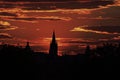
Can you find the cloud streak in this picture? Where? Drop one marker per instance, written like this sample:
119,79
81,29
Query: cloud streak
6,26
80,29
5,36
36,19
7,14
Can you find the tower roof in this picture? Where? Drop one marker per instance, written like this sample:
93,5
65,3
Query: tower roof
53,37
53,46
27,46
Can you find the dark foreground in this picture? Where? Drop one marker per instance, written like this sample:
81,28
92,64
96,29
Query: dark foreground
24,64
45,67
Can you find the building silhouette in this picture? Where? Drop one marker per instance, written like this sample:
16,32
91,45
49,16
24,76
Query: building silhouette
53,46
87,51
27,47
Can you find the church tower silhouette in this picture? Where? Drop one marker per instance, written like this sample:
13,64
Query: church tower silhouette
53,46
27,47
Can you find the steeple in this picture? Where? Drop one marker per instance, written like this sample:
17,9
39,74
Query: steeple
53,46
27,47
53,37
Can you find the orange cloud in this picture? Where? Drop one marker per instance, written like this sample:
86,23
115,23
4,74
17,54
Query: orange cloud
34,19
6,26
4,23
92,31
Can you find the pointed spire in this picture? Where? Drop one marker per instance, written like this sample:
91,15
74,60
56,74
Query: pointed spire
53,46
53,36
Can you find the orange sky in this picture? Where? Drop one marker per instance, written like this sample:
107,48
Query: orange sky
75,23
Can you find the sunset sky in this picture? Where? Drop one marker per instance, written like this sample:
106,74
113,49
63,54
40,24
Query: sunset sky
77,23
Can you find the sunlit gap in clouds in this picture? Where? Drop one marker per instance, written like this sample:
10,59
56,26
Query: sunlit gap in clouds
43,44
66,46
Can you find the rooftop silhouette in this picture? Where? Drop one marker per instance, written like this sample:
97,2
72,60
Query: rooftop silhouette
53,51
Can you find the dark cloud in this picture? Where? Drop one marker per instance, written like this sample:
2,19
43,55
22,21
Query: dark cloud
54,4
110,29
35,0
24,19
8,14
67,5
51,0
111,11
7,5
